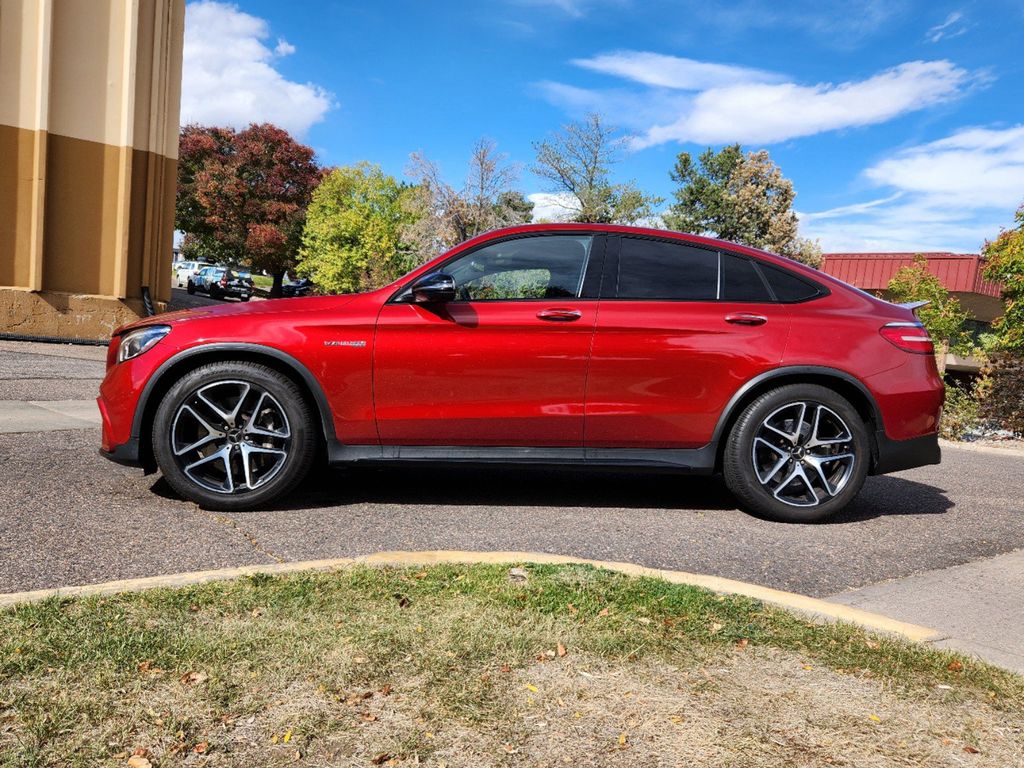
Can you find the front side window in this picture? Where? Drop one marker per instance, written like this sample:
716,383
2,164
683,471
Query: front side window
659,270
542,267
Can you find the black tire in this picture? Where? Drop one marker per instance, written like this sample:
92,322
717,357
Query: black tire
245,298
783,406
214,292
191,288
301,442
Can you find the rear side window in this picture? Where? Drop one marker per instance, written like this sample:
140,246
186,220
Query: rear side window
787,286
741,280
654,269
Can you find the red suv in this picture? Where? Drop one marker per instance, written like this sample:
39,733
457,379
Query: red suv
544,344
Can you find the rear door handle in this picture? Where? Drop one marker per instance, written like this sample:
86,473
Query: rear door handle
746,318
559,315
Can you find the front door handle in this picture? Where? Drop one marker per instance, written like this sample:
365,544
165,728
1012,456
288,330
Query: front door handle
559,315
746,318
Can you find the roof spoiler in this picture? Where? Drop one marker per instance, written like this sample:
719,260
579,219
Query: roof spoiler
913,306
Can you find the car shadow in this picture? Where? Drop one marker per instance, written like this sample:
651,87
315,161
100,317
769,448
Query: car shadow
571,488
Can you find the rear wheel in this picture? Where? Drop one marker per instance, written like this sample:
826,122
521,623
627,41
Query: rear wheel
798,454
233,435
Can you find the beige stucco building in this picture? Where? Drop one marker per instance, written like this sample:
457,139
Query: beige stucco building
89,106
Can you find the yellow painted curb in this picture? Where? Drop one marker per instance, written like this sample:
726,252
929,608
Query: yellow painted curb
821,609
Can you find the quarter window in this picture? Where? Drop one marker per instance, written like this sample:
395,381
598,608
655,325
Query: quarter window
543,267
788,287
655,269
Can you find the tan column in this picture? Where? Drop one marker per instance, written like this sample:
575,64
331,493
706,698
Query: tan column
89,103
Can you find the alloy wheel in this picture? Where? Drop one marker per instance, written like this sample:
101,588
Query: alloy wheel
803,454
230,437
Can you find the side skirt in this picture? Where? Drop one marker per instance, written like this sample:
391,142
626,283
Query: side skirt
700,461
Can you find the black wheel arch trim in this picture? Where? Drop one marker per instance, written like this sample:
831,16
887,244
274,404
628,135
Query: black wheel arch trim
310,381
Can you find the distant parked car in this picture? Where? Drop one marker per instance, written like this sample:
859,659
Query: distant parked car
303,287
221,282
183,270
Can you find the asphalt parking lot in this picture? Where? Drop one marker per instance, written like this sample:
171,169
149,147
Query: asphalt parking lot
71,517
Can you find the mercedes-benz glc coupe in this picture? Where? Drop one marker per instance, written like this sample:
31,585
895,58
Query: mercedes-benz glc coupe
567,344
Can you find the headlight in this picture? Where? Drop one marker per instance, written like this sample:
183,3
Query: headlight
134,343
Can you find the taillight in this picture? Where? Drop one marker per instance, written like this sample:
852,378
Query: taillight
910,337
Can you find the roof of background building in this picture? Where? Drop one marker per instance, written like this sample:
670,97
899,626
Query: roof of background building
959,272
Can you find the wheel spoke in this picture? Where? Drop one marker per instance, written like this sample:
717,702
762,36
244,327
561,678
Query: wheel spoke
211,432
223,455
819,462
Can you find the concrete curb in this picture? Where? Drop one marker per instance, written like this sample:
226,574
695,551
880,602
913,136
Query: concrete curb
1010,450
819,609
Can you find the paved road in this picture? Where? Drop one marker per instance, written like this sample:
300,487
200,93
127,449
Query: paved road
70,517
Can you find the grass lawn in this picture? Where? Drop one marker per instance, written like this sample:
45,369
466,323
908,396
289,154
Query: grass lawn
477,665
262,281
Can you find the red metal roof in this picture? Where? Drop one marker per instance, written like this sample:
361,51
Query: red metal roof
959,272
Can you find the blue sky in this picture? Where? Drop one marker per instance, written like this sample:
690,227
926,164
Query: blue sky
900,123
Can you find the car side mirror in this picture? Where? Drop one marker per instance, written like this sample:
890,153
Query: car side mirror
435,288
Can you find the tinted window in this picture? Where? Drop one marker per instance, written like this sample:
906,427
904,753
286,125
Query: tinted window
545,267
787,286
741,281
654,269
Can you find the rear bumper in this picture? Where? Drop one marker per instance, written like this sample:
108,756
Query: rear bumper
895,455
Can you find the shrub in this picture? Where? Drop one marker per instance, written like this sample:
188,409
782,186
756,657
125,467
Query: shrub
1001,394
961,413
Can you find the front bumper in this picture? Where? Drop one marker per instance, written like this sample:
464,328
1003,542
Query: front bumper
896,455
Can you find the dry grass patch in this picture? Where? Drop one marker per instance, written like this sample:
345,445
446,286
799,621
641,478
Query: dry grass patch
463,666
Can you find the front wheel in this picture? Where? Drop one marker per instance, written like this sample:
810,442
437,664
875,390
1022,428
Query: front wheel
797,454
191,288
233,435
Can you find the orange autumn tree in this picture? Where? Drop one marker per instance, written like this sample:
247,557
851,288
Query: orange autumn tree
243,195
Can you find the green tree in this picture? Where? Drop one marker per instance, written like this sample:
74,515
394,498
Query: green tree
737,196
242,195
942,316
577,162
353,235
1005,257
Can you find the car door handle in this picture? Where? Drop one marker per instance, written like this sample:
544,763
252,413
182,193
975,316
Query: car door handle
746,318
559,315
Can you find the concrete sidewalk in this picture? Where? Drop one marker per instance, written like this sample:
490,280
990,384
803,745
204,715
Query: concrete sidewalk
47,415
977,608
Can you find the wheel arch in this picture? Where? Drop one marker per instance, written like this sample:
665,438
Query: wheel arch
841,382
172,369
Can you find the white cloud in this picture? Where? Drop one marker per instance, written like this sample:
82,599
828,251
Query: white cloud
948,29
229,78
674,71
685,100
766,113
553,206
949,194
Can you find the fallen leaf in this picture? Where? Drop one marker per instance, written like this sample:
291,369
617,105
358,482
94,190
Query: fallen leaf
386,690
420,575
201,747
644,620
509,749
256,613
532,687
715,627
368,717
874,718
573,609
193,608
381,758
560,650
603,612
955,666
742,643
676,718
871,644
623,739
287,736
193,678
518,575
971,750
506,668
139,762
403,601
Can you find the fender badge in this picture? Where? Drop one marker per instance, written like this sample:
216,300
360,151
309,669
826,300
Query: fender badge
345,343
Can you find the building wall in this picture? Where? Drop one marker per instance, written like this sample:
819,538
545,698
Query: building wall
89,106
